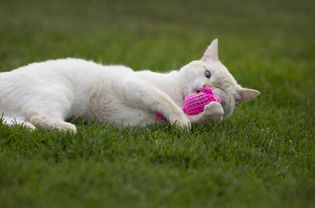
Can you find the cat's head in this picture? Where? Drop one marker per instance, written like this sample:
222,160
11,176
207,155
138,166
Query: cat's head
209,71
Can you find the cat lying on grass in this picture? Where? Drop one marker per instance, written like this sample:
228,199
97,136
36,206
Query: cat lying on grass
45,94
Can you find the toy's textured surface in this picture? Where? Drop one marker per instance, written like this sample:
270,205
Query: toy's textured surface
195,102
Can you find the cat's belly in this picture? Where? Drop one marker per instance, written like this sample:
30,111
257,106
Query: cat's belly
105,107
134,117
120,115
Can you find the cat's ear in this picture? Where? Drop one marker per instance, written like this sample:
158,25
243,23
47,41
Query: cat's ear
246,94
212,53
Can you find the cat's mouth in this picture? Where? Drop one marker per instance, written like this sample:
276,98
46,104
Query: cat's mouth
216,89
196,90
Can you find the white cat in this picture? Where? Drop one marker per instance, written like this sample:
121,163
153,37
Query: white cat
46,94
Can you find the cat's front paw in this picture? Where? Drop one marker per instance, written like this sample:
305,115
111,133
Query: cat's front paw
67,127
181,121
214,111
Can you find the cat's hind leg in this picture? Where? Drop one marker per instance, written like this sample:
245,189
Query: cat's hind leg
13,121
50,121
50,109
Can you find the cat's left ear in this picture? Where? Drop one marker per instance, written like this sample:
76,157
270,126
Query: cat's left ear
212,52
246,94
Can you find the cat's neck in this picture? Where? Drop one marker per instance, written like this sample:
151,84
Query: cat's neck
169,83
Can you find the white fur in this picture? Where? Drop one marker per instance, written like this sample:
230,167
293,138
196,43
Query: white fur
46,94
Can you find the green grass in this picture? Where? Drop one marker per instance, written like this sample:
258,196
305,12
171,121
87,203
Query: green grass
263,156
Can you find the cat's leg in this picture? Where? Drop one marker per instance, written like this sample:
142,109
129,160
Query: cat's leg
143,95
50,112
13,121
213,112
50,121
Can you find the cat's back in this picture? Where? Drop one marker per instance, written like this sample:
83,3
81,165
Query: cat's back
72,69
60,65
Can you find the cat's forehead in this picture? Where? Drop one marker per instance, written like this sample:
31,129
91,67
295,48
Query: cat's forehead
219,71
214,67
198,65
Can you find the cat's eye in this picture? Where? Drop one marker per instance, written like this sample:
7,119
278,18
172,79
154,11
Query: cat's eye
207,74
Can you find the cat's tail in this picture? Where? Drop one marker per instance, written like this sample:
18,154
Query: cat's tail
13,121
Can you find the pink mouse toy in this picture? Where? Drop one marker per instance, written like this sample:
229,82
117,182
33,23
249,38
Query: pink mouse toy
195,102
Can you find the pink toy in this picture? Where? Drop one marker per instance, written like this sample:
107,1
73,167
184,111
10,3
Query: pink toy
195,102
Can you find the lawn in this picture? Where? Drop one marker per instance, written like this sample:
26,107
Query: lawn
263,156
